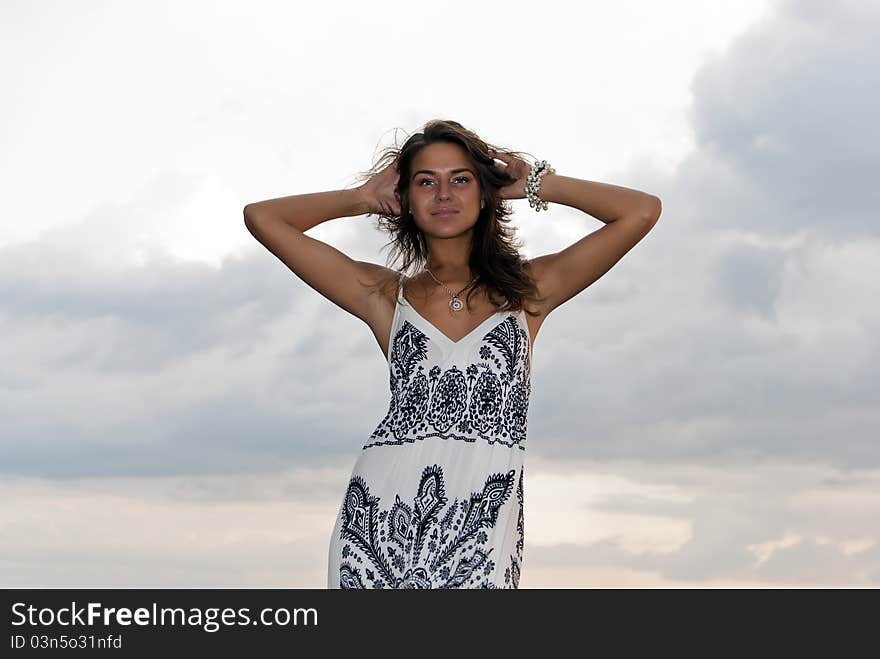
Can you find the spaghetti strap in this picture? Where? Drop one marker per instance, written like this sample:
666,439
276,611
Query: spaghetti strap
400,288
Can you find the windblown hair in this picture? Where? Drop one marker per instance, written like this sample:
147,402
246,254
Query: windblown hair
501,271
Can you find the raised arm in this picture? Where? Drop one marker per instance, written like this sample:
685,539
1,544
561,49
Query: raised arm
280,225
629,215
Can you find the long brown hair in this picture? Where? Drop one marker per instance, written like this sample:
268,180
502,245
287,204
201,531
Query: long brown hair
494,252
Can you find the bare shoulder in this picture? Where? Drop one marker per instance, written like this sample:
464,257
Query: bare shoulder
379,285
379,282
538,267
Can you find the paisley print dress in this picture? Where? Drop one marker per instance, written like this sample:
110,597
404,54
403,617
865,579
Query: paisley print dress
435,498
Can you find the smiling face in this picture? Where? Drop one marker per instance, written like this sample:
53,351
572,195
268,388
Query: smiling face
443,177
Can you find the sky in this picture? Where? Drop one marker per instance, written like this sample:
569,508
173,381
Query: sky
179,409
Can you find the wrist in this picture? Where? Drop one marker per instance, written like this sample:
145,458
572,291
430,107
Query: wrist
548,190
359,201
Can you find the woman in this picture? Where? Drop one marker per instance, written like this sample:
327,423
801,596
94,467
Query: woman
435,499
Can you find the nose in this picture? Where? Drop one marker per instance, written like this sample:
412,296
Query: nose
443,190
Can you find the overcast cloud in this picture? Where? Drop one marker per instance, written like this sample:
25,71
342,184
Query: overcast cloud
180,409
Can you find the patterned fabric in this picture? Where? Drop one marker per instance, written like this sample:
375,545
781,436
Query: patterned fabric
435,499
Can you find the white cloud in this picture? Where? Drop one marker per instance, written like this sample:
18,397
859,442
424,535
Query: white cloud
765,550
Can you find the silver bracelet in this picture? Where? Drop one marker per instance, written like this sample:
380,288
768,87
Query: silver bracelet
533,184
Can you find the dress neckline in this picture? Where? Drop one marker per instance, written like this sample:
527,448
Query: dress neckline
437,330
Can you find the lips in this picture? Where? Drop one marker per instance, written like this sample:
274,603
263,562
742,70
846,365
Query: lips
444,211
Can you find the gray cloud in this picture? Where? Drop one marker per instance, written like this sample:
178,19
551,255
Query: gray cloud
738,333
749,333
147,371
788,113
750,279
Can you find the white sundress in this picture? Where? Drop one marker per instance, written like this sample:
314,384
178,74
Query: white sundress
435,498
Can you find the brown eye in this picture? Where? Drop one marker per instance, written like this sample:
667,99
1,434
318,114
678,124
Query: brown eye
457,178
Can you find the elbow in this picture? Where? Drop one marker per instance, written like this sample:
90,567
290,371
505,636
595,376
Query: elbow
654,208
248,213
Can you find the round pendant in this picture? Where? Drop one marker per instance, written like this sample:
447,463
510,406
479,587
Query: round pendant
455,304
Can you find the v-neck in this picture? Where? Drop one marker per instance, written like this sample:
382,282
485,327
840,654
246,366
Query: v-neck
437,330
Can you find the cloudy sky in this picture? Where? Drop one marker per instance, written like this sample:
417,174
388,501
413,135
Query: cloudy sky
179,409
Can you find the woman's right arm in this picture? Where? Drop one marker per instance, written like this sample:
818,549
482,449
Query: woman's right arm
280,225
304,211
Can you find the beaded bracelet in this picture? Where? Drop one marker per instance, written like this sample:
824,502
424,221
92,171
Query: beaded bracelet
533,184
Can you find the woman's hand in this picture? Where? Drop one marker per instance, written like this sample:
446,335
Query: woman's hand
516,168
379,191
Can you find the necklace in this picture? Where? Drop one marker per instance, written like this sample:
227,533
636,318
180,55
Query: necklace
455,304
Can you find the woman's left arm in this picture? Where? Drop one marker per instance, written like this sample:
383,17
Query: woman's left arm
607,203
628,214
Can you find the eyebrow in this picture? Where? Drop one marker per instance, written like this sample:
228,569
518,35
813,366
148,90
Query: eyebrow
451,171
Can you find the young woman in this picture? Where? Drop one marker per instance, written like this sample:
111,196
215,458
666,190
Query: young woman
435,498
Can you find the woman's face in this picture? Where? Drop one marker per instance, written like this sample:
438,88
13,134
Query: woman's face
443,177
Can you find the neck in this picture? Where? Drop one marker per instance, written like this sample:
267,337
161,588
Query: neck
449,263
